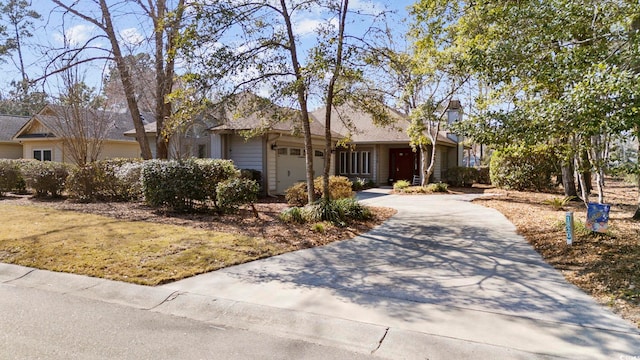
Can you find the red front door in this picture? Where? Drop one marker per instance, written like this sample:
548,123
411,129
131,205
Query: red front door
402,164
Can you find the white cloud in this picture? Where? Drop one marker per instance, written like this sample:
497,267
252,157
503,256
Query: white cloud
309,26
75,35
306,26
131,36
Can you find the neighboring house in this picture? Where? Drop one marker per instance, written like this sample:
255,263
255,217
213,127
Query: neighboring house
150,131
383,154
262,136
9,125
41,136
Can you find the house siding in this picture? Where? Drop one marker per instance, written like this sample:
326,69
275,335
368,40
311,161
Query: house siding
54,146
128,150
10,151
216,146
246,154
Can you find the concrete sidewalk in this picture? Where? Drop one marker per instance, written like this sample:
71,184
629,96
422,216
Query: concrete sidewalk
442,279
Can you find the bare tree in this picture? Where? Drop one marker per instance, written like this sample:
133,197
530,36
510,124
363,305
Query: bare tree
144,76
78,119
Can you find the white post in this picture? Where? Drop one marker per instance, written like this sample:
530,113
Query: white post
569,226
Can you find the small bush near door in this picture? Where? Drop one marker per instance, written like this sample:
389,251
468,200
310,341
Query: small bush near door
340,187
461,176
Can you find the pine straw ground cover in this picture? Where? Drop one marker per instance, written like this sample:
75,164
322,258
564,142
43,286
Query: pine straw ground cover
135,243
607,266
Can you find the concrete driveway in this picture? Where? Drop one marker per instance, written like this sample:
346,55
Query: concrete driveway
444,278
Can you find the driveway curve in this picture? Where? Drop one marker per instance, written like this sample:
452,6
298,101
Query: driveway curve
442,267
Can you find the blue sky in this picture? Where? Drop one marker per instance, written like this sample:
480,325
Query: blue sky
55,28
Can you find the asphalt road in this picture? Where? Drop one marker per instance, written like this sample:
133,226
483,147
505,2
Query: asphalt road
39,324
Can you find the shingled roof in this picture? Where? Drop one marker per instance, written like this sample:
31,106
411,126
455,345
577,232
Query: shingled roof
119,123
9,126
249,112
360,126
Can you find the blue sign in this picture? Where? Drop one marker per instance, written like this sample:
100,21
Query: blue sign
597,217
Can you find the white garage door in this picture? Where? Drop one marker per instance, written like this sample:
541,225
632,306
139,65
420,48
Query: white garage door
291,167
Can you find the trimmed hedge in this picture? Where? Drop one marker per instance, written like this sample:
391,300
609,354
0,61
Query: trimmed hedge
521,168
10,176
484,176
46,178
185,185
106,180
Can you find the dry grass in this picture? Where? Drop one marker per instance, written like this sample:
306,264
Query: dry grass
607,266
138,252
138,244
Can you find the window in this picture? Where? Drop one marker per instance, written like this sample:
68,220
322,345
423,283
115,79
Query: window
295,152
42,155
282,151
364,160
354,163
343,162
318,153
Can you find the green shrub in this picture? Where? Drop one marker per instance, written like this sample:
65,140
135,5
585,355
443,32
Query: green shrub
401,185
185,185
438,187
521,168
340,187
129,180
359,184
235,192
292,215
339,212
352,209
484,176
318,227
559,203
45,177
214,171
176,184
461,176
106,180
85,182
9,176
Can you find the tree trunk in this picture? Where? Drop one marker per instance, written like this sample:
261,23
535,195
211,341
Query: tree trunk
158,23
583,183
127,83
568,180
164,72
329,101
424,165
301,91
636,216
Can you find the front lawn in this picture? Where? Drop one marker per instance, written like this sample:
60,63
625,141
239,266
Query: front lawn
135,243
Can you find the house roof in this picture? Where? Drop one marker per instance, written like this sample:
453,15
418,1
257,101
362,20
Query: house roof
361,127
9,126
248,112
50,117
149,128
